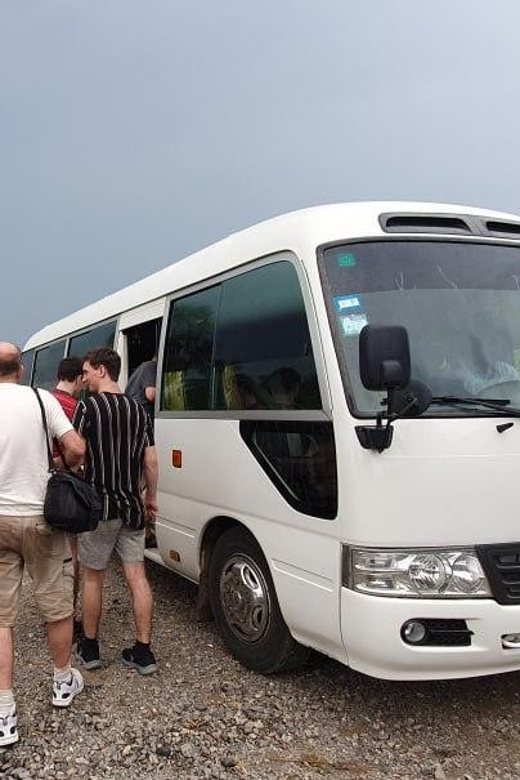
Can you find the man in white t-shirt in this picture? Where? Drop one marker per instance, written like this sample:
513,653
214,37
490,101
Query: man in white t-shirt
26,541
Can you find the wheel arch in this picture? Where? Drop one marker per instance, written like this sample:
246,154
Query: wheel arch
213,530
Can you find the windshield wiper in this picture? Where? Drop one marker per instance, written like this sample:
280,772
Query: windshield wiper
497,404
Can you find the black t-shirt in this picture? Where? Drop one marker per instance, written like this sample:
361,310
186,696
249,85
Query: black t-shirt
117,430
144,376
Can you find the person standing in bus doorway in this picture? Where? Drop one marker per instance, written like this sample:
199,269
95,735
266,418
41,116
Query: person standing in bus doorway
67,392
120,452
26,541
141,385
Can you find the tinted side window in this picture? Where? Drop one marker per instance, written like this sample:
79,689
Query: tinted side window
300,459
102,336
46,365
27,361
263,357
186,380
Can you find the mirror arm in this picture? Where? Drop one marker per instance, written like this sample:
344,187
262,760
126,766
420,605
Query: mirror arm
376,437
392,417
379,437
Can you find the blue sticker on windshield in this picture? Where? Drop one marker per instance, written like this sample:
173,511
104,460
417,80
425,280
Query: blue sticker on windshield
345,304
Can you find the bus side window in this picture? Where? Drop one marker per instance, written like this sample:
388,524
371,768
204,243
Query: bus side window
95,338
299,457
186,379
263,352
100,336
46,364
27,362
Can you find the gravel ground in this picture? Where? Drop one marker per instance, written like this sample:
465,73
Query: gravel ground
204,716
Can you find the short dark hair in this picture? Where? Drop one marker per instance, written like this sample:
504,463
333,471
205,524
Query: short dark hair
11,365
107,358
69,369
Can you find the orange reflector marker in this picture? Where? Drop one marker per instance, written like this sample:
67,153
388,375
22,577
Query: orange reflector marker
174,555
177,459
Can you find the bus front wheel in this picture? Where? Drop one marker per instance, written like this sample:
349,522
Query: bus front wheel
245,606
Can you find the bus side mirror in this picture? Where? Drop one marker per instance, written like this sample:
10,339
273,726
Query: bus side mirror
384,357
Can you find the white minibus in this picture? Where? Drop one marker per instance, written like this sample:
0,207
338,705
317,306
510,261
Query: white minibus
336,421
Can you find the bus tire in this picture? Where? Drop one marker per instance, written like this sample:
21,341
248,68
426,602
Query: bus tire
245,607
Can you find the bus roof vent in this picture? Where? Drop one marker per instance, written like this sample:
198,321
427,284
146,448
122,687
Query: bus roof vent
425,223
504,229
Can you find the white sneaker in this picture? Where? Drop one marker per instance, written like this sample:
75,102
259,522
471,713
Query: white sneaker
8,728
64,692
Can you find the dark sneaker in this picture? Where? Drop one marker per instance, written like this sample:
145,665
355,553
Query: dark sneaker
140,659
64,692
8,727
87,652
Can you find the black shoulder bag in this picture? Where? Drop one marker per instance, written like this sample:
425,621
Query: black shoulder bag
71,504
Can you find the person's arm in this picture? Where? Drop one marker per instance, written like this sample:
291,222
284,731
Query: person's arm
151,476
80,421
60,427
73,448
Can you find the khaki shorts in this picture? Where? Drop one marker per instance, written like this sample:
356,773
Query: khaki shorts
28,542
96,547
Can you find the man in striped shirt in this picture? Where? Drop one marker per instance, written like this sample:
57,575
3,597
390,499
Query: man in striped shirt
120,454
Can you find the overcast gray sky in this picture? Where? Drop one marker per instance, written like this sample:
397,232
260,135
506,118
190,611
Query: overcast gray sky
135,131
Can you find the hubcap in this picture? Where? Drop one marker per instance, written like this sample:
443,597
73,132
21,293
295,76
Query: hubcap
245,598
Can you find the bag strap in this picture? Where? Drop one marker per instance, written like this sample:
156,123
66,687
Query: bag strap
44,421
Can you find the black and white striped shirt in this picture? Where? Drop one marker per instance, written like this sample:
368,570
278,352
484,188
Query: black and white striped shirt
117,430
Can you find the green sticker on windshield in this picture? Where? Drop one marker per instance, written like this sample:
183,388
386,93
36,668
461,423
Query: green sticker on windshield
347,261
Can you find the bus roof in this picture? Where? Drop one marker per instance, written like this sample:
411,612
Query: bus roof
300,231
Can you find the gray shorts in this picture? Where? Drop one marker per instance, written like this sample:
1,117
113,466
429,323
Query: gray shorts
96,547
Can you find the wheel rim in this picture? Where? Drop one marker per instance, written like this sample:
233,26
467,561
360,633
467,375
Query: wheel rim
244,597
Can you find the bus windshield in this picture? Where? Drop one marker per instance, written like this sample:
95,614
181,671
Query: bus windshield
459,301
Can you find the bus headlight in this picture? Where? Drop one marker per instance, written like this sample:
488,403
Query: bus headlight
427,573
419,573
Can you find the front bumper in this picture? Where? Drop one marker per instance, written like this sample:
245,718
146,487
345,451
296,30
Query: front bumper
371,628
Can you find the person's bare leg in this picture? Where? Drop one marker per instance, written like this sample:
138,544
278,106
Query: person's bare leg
142,599
91,601
59,636
6,658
